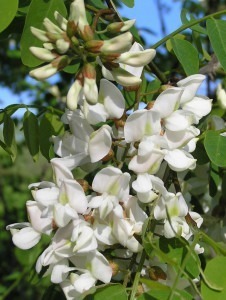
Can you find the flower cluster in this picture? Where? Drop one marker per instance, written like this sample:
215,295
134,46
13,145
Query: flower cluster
95,220
74,39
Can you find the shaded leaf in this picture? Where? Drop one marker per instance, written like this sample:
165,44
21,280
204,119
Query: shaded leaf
187,55
38,10
215,146
216,30
31,133
7,12
9,136
50,125
109,292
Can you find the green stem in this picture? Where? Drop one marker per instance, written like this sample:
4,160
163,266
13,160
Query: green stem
137,276
216,247
161,76
186,26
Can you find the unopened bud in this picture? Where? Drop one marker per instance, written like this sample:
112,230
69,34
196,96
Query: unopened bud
109,156
120,43
221,96
51,27
39,34
43,72
87,33
62,22
94,46
105,58
138,58
72,29
43,53
120,26
84,184
53,37
61,62
90,86
62,46
156,273
120,122
140,290
78,14
164,87
114,266
125,78
150,105
73,93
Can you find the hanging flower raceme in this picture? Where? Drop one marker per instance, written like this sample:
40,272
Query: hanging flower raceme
74,39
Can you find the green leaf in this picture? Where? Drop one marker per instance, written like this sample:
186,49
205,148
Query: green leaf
7,12
163,293
216,30
109,292
129,3
200,154
223,186
50,125
72,69
187,55
9,136
151,90
215,146
31,133
215,273
214,180
38,10
185,20
176,249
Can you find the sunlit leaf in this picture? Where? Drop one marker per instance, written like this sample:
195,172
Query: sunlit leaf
216,30
187,55
8,11
38,10
129,3
215,273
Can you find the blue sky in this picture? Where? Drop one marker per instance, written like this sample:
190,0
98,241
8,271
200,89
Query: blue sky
146,14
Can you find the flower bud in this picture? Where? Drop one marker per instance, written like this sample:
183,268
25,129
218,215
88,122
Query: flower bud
109,156
156,273
94,46
43,53
125,78
62,22
62,46
90,86
78,14
51,27
73,93
138,58
39,34
87,33
120,26
221,96
84,184
43,72
119,43
114,266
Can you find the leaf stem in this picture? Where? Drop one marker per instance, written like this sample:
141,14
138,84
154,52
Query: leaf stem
186,26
